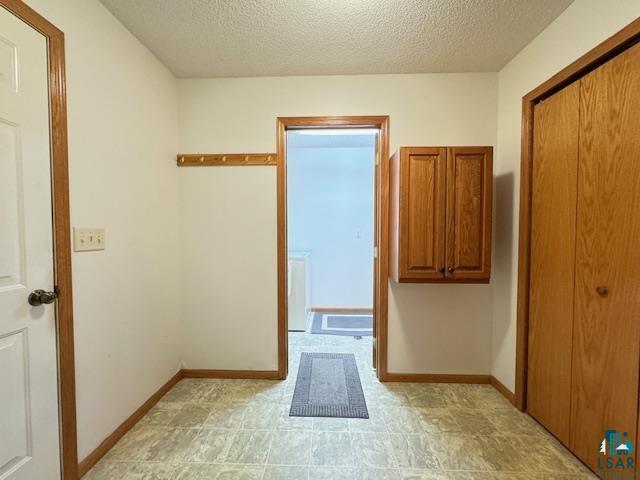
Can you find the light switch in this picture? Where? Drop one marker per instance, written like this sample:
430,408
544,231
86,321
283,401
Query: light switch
88,239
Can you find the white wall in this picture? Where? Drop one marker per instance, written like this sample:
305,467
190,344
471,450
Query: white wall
430,329
581,27
331,200
122,106
229,265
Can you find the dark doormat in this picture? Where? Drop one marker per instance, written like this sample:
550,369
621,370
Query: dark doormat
344,324
328,385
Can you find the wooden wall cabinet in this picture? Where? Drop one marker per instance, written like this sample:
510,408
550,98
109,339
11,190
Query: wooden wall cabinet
441,200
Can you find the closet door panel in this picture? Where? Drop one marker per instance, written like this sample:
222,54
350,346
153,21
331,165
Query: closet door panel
553,237
607,298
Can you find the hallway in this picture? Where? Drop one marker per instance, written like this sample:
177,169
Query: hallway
241,429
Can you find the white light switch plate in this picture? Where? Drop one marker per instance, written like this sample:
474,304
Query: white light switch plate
88,239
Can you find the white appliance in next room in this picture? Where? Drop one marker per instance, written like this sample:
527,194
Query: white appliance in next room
299,284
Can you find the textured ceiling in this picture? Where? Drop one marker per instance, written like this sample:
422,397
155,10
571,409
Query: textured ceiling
230,38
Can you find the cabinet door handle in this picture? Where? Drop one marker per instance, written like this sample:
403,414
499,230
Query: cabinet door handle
602,291
442,270
451,269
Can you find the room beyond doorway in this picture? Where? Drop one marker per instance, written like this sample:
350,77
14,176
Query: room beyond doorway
330,238
330,196
333,166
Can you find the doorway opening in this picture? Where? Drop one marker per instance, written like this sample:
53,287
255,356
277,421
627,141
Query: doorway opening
332,257
330,238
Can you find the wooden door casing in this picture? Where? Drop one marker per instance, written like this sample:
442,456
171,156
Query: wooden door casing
607,323
469,205
553,239
380,123
376,256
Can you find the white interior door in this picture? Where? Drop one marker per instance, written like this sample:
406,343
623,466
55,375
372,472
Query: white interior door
29,438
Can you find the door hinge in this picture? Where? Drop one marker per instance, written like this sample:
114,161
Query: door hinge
375,252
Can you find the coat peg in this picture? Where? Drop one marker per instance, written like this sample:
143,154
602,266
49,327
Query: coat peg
268,159
201,159
224,158
246,158
182,159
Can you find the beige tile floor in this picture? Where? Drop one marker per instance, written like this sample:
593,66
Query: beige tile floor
240,429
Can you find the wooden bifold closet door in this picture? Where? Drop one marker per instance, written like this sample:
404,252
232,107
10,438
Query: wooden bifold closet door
604,390
553,229
584,317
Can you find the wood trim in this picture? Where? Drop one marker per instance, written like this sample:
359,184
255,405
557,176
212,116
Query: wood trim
606,50
62,231
438,378
342,309
226,159
506,393
381,283
283,305
524,255
238,374
365,121
108,443
381,311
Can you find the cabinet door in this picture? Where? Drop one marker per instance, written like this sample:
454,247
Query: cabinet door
553,241
604,392
469,186
422,208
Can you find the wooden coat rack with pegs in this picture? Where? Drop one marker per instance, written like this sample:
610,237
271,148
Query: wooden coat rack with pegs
226,159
